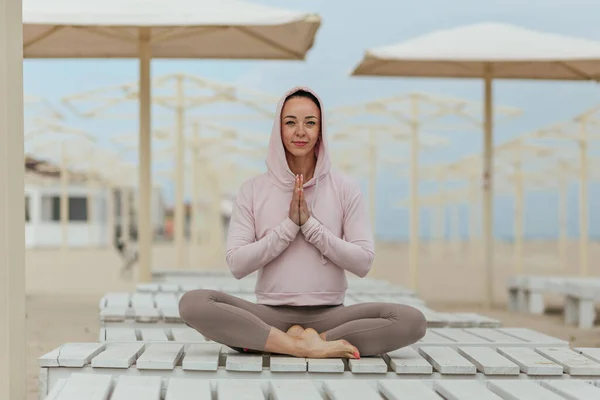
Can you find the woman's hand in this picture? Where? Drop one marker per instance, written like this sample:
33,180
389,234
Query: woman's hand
304,214
294,213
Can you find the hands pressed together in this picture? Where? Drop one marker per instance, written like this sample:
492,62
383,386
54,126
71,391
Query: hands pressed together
299,212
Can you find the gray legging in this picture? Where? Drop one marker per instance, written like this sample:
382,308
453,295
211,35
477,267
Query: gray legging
373,328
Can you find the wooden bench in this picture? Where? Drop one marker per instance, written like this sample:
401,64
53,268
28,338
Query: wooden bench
526,294
247,285
449,337
112,387
106,364
141,309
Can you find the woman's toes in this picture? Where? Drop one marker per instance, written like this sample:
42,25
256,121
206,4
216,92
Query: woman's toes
295,330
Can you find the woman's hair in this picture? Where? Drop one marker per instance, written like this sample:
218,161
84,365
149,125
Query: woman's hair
306,95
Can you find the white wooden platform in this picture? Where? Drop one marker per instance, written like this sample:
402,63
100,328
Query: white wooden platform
448,337
183,281
111,387
159,364
581,295
141,309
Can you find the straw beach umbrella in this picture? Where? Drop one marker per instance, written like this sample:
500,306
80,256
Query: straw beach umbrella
145,29
486,51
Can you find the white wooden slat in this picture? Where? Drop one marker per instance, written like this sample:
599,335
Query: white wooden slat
137,388
368,365
188,389
142,300
239,390
283,389
408,361
187,335
162,356
529,335
481,320
287,364
153,335
117,334
118,299
113,314
326,365
169,287
455,320
350,390
118,355
166,300
458,335
531,362
58,387
494,335
202,357
488,361
147,287
244,362
188,287
432,337
515,389
572,362
406,390
573,389
145,314
170,314
86,386
464,390
447,361
71,355
590,352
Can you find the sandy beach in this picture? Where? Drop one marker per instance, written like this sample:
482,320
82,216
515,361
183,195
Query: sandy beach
63,290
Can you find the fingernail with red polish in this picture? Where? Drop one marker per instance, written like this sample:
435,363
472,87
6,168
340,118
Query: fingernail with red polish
356,355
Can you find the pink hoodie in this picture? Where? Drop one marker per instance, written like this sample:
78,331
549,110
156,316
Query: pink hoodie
299,265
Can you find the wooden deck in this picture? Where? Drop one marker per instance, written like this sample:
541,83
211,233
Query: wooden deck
109,363
108,387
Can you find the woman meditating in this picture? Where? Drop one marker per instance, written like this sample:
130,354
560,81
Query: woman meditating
301,225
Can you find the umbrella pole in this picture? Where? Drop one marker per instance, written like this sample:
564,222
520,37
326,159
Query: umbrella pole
414,245
145,159
180,215
583,201
488,179
12,205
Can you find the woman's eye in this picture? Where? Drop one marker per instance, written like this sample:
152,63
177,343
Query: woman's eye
311,122
289,123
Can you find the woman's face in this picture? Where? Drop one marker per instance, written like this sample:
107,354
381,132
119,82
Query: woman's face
300,126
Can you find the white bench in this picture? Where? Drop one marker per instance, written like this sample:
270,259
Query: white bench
526,294
448,337
114,387
203,362
141,309
229,284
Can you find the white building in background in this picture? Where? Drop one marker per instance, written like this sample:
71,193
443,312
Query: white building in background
42,215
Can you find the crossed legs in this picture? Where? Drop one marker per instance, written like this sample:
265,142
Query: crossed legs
316,332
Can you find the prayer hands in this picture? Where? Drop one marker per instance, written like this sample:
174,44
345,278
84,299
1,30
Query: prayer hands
299,212
304,212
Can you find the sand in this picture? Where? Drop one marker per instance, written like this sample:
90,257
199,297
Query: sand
64,289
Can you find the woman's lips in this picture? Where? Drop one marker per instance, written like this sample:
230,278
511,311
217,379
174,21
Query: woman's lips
300,144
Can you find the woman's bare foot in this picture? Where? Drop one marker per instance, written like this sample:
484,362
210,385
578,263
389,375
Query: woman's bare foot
295,331
313,346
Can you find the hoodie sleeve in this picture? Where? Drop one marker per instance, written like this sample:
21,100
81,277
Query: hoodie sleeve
356,252
244,253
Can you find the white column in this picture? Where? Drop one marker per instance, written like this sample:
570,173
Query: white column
12,204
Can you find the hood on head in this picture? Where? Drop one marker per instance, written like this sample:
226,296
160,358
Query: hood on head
277,165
